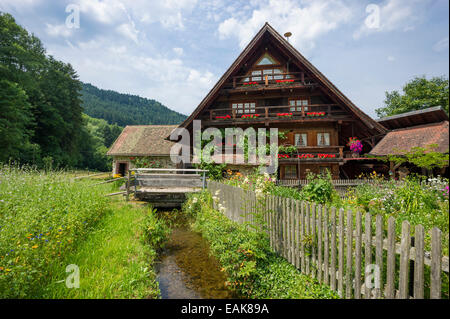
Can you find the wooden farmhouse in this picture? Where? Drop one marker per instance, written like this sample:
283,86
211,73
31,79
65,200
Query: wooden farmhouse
271,84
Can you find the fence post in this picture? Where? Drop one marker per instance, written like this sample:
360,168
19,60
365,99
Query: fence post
204,180
128,185
367,253
390,271
341,253
348,275
333,250
313,228
419,260
319,243
302,237
379,253
358,240
325,247
436,261
404,261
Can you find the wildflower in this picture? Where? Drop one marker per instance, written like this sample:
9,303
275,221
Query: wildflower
35,246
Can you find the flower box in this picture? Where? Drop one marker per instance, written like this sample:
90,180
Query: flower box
250,83
315,114
249,116
287,81
326,155
305,156
225,117
284,114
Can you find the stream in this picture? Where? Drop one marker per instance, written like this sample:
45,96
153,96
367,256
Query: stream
187,271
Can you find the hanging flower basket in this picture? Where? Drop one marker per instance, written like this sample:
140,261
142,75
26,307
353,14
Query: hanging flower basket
355,146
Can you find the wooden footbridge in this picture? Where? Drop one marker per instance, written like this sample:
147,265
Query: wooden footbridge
164,187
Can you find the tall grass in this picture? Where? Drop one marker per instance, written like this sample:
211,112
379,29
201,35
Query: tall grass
115,260
42,217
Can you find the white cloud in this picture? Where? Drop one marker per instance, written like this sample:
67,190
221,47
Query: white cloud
141,71
128,30
8,5
391,58
178,51
108,11
401,15
306,20
441,45
169,13
58,30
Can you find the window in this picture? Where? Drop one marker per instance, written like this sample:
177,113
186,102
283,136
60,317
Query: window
301,139
258,75
296,105
244,107
290,172
266,60
323,139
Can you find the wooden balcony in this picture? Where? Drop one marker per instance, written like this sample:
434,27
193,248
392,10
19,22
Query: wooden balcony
329,153
274,114
268,81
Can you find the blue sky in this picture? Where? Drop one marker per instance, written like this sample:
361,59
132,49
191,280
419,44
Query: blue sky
174,51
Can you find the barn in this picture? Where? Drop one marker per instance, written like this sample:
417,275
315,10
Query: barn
141,146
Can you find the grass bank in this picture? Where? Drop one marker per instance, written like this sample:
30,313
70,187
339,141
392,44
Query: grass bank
49,220
252,268
115,261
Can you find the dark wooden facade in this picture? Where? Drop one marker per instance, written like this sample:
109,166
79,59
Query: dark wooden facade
271,78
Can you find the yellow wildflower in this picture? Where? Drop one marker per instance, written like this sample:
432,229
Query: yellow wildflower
35,246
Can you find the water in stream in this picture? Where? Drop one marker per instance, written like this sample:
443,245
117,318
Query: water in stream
187,271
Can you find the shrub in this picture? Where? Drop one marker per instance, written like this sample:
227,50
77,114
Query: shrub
155,230
252,268
319,188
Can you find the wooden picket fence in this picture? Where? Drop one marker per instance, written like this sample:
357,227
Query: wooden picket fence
344,249
335,182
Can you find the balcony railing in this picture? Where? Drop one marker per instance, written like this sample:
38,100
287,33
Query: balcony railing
313,153
269,80
282,113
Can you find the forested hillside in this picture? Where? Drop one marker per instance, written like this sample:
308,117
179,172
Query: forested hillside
126,109
41,108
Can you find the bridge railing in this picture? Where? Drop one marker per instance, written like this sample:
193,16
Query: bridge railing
165,178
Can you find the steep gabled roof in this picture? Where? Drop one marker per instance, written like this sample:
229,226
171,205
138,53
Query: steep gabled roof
143,140
279,40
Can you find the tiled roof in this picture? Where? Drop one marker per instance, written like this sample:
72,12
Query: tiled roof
400,140
143,140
